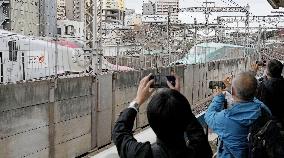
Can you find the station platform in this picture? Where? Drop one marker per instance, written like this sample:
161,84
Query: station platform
149,135
144,136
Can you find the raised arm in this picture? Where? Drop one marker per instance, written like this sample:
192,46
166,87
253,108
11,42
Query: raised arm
213,116
127,145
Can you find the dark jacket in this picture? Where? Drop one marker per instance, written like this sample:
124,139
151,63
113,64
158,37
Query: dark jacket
128,147
271,93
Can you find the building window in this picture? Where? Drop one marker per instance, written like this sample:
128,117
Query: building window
13,50
59,31
69,30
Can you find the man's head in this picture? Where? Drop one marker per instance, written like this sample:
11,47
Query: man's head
244,86
274,68
168,114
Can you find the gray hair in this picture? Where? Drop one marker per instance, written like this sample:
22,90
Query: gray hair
245,85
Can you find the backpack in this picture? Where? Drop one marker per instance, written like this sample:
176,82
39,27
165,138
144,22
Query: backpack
264,138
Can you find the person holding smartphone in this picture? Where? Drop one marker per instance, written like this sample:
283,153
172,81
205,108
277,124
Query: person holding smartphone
271,88
178,132
232,124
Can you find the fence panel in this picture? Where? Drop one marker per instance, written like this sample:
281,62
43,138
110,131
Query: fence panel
104,113
188,83
15,96
73,87
196,81
25,144
180,71
24,131
202,79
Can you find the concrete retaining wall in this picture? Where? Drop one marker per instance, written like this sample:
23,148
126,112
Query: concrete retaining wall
69,117
46,118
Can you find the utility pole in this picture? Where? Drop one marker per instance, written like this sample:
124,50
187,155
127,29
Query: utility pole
56,49
184,38
217,30
195,39
93,33
259,43
168,34
117,52
247,29
95,38
207,11
207,14
100,31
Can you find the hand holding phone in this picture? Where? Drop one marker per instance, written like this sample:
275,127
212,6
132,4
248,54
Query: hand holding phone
160,81
217,84
144,91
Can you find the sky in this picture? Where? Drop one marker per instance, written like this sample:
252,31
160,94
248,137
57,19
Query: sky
257,7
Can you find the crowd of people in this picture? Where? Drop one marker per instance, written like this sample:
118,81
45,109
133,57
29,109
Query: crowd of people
253,102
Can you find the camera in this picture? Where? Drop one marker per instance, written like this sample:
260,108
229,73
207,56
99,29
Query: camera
160,81
261,63
219,84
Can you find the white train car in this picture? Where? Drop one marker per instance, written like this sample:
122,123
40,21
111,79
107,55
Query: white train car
24,58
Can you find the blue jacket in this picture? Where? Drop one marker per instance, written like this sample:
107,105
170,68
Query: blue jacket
232,125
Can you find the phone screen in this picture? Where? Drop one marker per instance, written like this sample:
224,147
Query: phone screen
160,81
214,84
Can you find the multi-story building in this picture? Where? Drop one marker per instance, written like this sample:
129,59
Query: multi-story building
132,19
61,9
149,8
75,10
163,7
71,29
113,11
70,16
121,4
32,17
47,17
71,10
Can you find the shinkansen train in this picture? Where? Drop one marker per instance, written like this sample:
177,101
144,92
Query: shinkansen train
24,58
206,52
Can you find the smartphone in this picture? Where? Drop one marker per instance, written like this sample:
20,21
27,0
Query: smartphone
160,81
219,84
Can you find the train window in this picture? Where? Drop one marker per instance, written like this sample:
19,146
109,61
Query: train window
13,50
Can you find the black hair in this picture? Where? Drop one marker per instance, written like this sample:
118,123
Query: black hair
274,68
168,114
